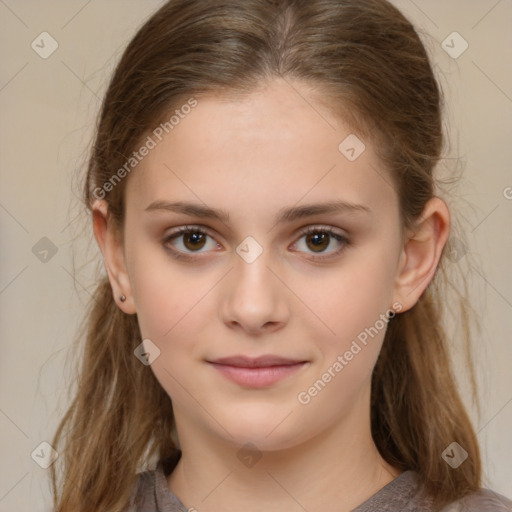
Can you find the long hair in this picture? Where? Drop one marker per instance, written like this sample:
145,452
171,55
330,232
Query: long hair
368,64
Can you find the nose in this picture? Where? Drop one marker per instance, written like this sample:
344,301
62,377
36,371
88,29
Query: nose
255,298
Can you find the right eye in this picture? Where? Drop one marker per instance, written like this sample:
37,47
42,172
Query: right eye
191,239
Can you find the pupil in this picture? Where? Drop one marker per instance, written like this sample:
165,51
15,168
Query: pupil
194,239
319,240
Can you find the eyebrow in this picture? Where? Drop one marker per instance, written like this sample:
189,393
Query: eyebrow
284,215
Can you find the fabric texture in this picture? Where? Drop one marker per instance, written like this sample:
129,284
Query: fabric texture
403,494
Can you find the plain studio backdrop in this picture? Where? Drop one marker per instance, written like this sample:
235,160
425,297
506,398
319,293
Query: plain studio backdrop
50,93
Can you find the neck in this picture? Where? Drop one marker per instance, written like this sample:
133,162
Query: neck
337,470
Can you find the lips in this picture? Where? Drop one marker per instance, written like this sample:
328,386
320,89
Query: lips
256,362
257,372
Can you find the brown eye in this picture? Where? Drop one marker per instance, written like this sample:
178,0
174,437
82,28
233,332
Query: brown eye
194,240
319,239
188,241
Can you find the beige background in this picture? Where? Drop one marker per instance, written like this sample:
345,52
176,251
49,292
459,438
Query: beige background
48,109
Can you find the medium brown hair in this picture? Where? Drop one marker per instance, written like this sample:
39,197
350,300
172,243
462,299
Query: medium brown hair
367,63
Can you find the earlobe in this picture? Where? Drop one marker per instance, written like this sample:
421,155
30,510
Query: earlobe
421,253
111,247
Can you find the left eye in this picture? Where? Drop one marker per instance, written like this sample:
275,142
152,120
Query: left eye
319,239
193,238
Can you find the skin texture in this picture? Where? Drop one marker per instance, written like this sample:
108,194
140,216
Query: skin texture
252,157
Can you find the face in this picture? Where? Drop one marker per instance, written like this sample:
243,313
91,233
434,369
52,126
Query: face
307,290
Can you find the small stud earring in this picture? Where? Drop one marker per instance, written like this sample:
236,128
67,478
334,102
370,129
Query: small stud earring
122,298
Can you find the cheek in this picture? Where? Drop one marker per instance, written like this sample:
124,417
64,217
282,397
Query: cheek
166,294
354,297
355,305
169,305
172,311
357,310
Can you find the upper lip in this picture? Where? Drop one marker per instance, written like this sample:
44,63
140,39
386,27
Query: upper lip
256,362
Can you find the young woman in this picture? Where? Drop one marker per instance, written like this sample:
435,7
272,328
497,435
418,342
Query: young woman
269,330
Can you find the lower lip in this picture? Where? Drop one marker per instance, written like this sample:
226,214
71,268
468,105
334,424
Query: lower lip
257,377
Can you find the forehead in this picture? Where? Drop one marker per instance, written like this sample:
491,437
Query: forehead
255,153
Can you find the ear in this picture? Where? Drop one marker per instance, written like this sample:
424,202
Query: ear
111,246
421,253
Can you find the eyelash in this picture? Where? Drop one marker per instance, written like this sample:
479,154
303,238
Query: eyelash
181,255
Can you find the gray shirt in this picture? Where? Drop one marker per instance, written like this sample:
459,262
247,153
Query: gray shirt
151,494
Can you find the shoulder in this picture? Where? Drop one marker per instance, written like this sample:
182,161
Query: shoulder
151,493
483,500
408,495
143,498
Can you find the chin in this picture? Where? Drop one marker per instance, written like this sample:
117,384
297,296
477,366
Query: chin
269,429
